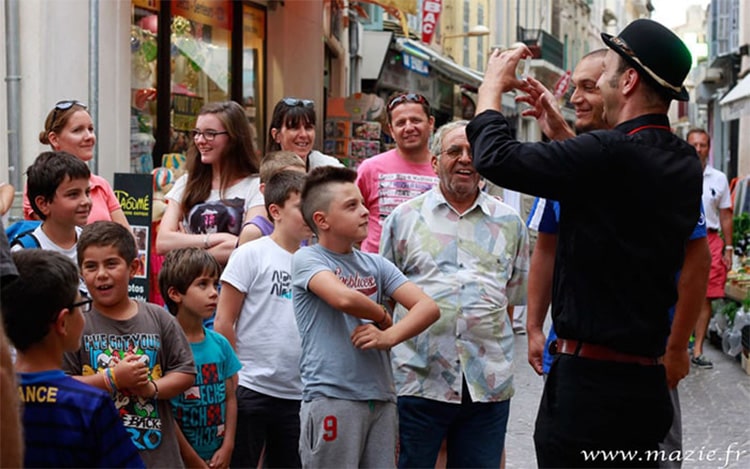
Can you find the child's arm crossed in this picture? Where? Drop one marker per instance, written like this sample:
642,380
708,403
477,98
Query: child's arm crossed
326,285
422,311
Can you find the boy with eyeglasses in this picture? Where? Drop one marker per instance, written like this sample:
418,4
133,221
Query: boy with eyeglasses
388,179
66,423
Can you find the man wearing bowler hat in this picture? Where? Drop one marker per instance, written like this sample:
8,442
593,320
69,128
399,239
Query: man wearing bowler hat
629,199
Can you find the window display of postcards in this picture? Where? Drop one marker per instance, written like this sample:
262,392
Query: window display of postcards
336,129
337,148
361,149
366,130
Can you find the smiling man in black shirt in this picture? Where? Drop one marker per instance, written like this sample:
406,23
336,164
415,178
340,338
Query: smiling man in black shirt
629,199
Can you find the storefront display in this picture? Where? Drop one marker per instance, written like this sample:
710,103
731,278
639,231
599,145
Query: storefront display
353,128
202,49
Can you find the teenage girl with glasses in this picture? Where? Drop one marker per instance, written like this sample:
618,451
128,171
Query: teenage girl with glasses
293,129
207,206
68,127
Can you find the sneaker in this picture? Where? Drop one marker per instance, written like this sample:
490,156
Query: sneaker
702,362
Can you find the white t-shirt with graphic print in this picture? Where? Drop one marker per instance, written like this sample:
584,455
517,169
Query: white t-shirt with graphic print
268,343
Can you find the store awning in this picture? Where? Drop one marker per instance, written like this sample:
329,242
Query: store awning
736,103
374,48
449,68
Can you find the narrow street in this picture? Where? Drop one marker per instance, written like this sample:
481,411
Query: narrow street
715,414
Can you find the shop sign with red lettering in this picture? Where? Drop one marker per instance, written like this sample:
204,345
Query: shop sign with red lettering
562,85
430,14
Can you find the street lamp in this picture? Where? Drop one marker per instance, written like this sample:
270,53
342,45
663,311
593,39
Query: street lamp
477,31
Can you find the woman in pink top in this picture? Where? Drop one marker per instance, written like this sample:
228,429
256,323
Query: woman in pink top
69,128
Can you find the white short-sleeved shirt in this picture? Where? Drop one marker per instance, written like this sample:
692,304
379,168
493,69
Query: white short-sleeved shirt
715,196
268,342
219,213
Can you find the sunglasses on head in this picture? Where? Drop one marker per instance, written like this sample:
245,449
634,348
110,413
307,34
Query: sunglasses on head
68,103
298,102
408,97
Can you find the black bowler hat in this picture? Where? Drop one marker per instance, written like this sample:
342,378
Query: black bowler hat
656,51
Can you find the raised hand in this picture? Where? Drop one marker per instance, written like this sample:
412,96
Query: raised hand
545,110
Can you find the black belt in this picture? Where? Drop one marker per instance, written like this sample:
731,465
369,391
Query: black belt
712,230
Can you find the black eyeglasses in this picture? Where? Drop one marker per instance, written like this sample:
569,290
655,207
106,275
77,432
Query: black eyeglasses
408,97
298,102
85,305
208,135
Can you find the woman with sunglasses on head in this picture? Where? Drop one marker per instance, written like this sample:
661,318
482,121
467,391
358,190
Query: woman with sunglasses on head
207,206
293,129
68,127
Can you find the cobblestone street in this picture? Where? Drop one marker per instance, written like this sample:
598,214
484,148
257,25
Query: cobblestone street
715,414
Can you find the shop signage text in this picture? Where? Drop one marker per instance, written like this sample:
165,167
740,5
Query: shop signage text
210,12
416,65
430,14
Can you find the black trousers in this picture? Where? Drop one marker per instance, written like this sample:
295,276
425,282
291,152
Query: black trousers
265,421
602,414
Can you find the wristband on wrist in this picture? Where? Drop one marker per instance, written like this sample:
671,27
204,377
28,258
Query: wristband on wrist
107,382
113,379
385,314
205,241
728,247
156,391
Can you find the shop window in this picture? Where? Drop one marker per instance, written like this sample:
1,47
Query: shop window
253,35
143,57
200,62
199,48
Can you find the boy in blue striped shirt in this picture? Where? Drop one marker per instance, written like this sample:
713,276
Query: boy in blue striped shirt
66,423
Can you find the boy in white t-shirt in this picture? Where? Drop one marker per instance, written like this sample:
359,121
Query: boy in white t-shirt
58,188
255,313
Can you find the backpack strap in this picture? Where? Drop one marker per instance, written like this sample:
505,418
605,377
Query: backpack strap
27,240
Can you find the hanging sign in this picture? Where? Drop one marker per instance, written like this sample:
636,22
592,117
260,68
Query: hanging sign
562,85
430,14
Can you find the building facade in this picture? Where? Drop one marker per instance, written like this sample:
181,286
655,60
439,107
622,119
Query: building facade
144,87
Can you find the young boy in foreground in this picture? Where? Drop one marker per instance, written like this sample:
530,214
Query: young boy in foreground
66,423
257,316
134,350
348,416
207,412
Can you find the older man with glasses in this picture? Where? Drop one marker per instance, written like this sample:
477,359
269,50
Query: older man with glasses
388,179
470,252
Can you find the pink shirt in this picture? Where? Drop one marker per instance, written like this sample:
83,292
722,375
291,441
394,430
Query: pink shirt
103,200
385,181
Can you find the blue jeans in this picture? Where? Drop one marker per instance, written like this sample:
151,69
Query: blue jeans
475,432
